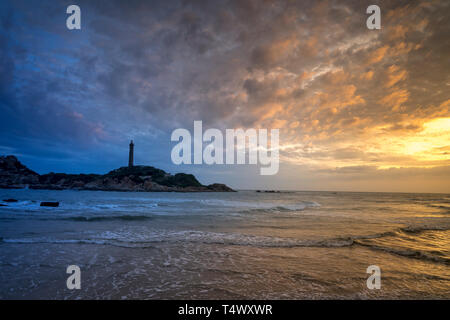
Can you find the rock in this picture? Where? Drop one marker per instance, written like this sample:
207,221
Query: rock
3,205
49,204
10,200
219,187
137,178
15,175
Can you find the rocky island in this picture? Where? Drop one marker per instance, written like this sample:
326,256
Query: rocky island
14,175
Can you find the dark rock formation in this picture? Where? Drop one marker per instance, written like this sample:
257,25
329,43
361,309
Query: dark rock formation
137,178
15,175
49,204
10,200
219,187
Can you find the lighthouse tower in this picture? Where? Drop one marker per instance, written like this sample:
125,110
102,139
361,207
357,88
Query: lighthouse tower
131,154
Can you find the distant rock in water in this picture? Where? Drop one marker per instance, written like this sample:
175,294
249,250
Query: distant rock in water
10,200
137,178
49,204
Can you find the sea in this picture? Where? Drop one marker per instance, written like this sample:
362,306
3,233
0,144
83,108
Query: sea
238,245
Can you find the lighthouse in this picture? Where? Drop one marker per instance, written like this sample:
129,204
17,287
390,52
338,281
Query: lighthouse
130,155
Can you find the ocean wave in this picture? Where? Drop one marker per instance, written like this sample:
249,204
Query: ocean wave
108,218
207,237
440,206
273,208
409,242
154,203
124,240
34,205
21,204
50,241
402,241
422,228
89,212
434,256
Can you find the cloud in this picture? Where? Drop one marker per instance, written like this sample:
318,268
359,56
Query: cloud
395,99
377,55
338,91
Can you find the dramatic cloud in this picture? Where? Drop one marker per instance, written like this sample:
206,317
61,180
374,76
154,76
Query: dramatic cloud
349,101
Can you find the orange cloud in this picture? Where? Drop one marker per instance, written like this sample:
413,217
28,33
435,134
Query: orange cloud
367,75
395,75
397,32
377,55
395,99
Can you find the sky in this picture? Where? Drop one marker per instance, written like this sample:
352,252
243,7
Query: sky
357,109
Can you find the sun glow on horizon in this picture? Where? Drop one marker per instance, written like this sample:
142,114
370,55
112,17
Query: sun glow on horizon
384,149
432,143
